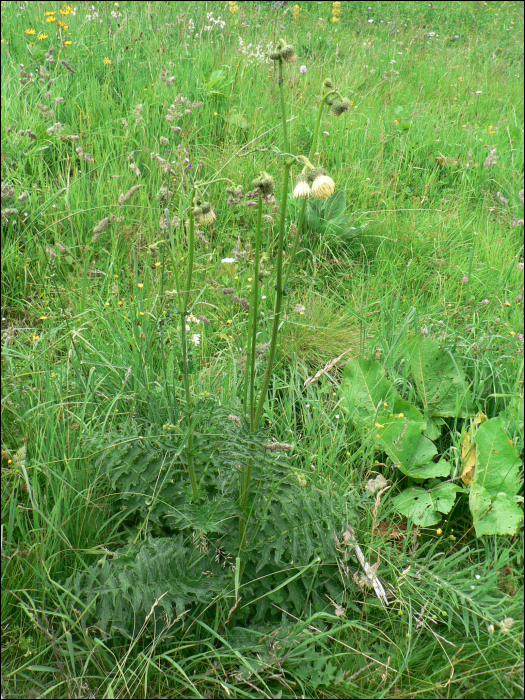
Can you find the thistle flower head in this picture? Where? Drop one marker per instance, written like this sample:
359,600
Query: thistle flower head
275,55
339,108
265,183
322,185
288,54
302,188
327,83
204,214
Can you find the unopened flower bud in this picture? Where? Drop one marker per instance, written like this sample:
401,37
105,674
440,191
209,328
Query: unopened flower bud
265,183
204,214
288,54
339,108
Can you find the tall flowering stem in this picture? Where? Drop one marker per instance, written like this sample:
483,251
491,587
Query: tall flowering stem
283,107
184,339
302,213
185,360
278,297
249,381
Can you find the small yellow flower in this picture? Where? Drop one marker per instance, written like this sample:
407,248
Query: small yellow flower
50,14
68,43
107,61
30,32
250,279
107,303
158,264
120,303
229,322
43,318
51,19
513,332
9,461
236,277
140,285
439,531
378,425
215,114
141,313
401,415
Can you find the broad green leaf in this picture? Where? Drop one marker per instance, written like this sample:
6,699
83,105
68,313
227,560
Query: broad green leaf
499,517
497,463
433,430
423,507
416,504
328,215
366,388
445,496
429,471
440,381
374,403
402,440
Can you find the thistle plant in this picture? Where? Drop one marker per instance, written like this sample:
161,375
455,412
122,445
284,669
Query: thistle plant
312,181
202,212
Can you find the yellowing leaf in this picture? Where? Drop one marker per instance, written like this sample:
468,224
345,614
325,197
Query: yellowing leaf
468,451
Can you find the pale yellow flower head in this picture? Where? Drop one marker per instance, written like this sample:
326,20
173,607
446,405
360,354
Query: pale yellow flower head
302,188
322,185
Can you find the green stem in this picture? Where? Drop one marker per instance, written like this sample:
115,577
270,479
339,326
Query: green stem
254,308
250,365
249,375
303,206
184,342
295,243
191,253
278,299
171,253
318,122
283,106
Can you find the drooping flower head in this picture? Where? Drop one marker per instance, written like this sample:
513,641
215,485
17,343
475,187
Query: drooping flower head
302,188
322,185
204,214
265,183
288,54
339,108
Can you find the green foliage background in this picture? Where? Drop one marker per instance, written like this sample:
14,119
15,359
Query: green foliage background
113,581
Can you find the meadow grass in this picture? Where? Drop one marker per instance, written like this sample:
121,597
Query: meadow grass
430,158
